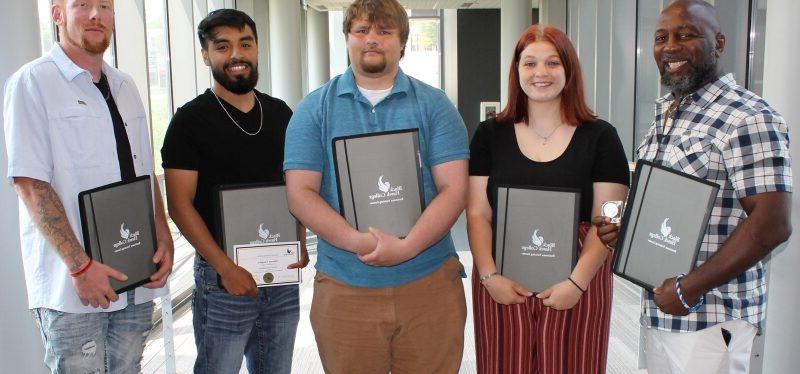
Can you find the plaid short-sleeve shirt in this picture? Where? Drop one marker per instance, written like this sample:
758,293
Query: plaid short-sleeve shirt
728,135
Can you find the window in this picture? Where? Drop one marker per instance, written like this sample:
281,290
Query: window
47,30
423,50
158,75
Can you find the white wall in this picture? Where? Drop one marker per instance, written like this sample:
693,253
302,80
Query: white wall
182,51
285,26
515,17
450,54
338,45
317,51
554,13
20,345
781,82
261,18
130,38
604,34
202,73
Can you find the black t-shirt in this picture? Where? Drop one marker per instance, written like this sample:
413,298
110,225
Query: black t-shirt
594,154
201,137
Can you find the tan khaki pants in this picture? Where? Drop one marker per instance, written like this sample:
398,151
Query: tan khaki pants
415,328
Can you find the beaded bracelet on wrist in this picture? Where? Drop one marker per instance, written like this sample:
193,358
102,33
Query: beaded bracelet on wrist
691,309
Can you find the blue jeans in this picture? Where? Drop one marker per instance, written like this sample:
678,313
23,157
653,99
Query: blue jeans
228,327
95,342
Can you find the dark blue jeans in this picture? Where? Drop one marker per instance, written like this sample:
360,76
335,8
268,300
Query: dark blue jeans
228,327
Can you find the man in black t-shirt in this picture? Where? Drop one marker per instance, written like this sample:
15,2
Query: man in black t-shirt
231,134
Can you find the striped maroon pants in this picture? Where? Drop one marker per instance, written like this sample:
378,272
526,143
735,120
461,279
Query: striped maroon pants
532,338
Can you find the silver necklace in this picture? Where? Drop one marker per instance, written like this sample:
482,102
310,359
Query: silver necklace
260,109
547,137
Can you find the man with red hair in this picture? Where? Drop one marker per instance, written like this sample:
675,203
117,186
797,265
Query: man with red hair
73,123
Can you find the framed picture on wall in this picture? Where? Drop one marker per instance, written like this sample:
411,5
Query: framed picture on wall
489,109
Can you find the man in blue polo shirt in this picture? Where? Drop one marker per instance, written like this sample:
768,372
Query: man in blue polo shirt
381,303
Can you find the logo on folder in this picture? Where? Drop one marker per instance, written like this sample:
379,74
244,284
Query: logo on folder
539,247
386,193
664,239
129,239
383,186
265,236
123,232
665,230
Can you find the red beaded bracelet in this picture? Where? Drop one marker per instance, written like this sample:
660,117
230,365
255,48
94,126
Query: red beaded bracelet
82,269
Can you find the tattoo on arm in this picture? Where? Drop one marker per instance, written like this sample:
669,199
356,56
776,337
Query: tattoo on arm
48,212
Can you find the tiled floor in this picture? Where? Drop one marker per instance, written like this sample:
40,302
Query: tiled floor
623,345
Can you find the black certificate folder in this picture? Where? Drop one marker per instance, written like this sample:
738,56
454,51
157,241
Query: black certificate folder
663,226
379,177
536,235
119,229
254,214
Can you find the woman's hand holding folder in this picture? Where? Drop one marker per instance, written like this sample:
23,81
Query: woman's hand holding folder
561,296
505,291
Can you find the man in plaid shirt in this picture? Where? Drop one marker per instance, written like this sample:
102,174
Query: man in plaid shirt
710,127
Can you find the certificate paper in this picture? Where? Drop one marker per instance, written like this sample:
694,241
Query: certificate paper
268,262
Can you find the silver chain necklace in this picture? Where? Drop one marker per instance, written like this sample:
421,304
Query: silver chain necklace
547,138
260,109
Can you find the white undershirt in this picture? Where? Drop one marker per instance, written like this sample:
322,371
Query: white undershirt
374,96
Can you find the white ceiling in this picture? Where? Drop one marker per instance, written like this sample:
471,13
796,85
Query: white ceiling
325,5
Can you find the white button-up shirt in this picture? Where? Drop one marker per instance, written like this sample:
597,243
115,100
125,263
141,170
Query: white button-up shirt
58,129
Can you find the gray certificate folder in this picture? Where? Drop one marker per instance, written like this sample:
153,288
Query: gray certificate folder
536,234
663,225
379,177
253,214
119,229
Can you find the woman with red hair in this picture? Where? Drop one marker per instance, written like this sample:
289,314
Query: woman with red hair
546,136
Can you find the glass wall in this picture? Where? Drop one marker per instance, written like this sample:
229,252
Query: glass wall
158,73
648,86
47,30
423,50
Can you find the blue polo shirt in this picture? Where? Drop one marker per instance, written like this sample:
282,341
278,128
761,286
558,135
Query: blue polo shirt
338,109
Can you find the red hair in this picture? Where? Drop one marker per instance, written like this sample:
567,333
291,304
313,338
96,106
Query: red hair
574,110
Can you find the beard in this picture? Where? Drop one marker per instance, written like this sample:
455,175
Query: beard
698,75
374,67
238,84
96,48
